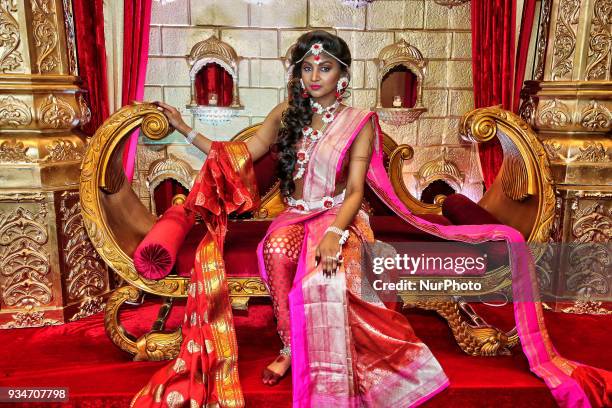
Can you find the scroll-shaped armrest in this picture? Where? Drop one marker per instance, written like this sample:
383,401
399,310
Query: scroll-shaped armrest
155,256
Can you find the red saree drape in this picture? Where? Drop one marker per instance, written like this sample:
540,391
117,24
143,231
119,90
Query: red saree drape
206,371
91,58
136,23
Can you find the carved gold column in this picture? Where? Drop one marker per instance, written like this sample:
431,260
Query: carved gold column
569,104
49,271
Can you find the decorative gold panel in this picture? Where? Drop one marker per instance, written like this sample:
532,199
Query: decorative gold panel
51,273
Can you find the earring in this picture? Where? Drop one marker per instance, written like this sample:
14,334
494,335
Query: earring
305,93
343,83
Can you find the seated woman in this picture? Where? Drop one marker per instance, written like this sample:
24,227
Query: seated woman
344,350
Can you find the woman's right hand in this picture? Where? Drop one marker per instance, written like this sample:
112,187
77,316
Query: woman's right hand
174,117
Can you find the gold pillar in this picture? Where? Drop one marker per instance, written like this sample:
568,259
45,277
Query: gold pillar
49,271
569,104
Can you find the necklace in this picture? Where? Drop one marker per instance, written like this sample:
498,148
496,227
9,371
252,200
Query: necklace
311,136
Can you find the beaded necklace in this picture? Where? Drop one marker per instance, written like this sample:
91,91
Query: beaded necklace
311,136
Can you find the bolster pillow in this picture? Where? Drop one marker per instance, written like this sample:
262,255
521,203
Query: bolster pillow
156,254
460,210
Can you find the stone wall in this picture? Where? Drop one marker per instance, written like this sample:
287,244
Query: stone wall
261,34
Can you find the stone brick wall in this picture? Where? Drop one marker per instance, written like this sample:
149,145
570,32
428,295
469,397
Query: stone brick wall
261,34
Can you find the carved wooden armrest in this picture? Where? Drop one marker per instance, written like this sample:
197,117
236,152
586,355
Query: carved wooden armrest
522,194
115,218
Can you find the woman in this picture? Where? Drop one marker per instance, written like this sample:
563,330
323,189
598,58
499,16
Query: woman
343,350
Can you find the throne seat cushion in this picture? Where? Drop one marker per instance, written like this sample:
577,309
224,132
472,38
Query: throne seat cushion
244,235
460,210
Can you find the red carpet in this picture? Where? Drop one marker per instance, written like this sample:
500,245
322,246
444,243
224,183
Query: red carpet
80,356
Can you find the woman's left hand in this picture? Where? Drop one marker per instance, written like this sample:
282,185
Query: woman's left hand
327,253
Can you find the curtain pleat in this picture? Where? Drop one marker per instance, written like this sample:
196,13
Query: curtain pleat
91,57
136,24
498,66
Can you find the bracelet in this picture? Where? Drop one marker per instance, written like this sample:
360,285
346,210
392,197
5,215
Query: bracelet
191,136
343,234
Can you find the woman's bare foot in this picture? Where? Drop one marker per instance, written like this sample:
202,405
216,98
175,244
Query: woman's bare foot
276,370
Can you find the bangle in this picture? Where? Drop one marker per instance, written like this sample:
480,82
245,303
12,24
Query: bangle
343,234
191,136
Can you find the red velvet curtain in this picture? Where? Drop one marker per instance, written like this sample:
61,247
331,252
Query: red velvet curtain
165,192
399,81
91,58
411,90
213,78
493,23
136,23
523,50
498,67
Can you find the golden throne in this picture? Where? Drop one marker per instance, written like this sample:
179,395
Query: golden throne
522,196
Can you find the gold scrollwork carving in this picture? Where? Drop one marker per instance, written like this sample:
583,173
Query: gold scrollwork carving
596,117
587,307
565,39
14,112
13,151
528,107
592,224
476,339
29,319
87,274
542,39
553,149
246,287
154,125
555,113
45,35
483,124
600,42
63,150
24,263
10,58
85,111
590,259
88,307
56,113
592,152
153,346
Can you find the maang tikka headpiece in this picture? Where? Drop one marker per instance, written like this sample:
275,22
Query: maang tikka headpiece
316,49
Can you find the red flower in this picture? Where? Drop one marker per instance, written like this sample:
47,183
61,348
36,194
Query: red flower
301,156
328,203
300,207
314,110
316,46
305,128
328,115
315,133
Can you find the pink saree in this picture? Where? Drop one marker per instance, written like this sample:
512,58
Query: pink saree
352,352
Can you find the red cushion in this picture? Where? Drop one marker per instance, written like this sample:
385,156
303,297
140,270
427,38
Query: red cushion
240,248
157,252
460,210
243,236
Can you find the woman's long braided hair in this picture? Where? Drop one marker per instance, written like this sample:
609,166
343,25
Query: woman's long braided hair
299,113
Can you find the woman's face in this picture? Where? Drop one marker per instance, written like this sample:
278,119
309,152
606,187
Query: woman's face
320,79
